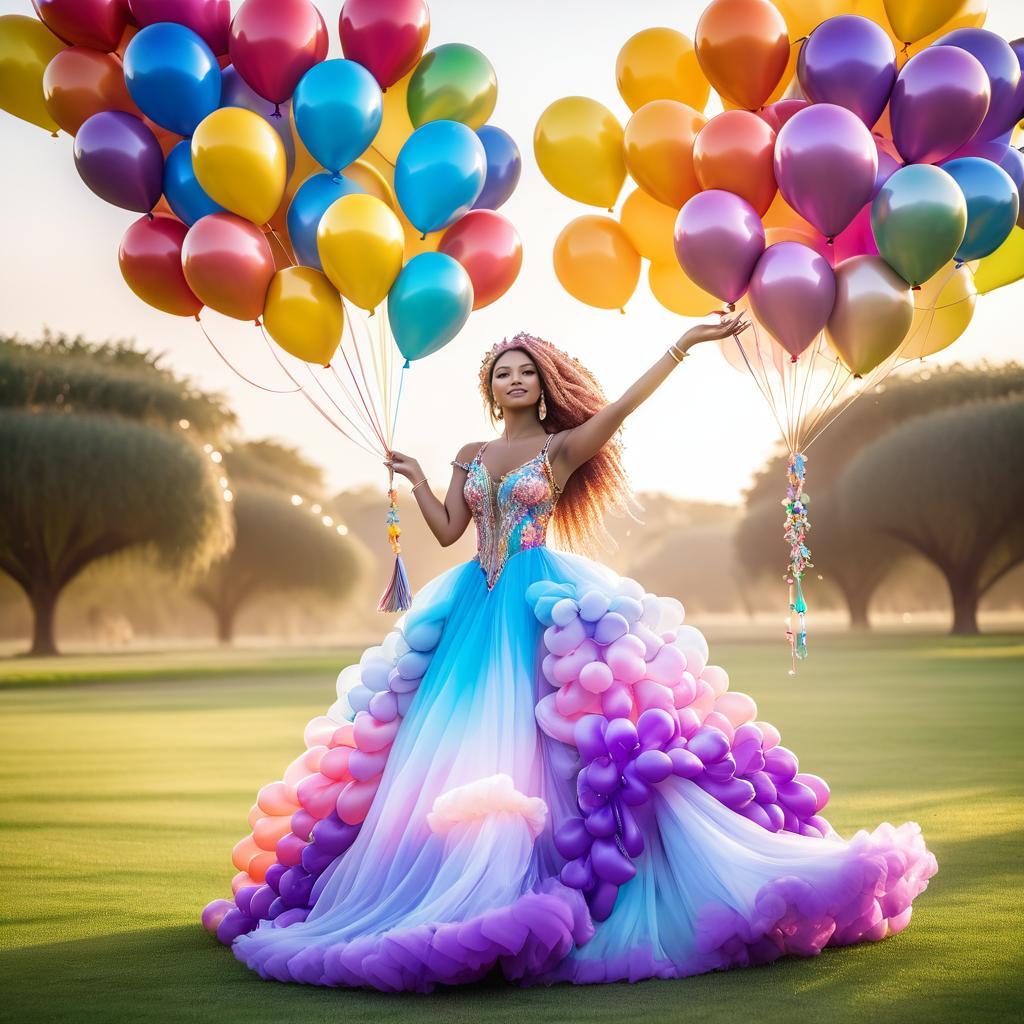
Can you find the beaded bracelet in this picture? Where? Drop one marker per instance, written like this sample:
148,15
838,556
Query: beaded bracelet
423,481
676,354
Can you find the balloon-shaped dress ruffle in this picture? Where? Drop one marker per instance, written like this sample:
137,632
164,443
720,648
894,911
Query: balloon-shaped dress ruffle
538,771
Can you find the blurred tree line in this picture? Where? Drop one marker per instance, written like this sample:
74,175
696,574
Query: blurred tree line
105,452
128,488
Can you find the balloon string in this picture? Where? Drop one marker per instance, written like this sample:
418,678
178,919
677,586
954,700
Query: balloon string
238,373
312,401
284,248
362,371
341,412
398,400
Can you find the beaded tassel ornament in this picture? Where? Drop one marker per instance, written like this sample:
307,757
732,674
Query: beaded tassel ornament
398,595
795,532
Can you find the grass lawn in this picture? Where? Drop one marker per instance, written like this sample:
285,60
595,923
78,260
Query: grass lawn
122,795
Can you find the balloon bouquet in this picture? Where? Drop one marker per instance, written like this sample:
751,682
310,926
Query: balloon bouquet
285,188
856,193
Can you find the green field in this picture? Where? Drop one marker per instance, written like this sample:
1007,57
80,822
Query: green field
124,785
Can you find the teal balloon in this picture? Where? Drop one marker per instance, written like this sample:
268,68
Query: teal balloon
918,219
308,205
338,111
992,205
428,304
440,174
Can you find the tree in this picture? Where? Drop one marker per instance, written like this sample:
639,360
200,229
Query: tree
74,375
950,485
274,465
857,563
278,547
78,487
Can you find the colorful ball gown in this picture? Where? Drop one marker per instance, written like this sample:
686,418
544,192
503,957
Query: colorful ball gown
538,772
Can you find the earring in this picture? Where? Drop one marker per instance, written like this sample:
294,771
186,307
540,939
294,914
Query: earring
497,412
542,409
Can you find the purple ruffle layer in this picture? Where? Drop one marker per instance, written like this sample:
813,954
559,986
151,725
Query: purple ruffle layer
526,939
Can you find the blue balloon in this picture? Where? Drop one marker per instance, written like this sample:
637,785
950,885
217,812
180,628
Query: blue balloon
172,75
183,193
440,174
236,92
429,303
310,203
504,165
992,205
338,111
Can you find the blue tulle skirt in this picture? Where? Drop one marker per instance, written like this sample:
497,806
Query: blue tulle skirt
437,857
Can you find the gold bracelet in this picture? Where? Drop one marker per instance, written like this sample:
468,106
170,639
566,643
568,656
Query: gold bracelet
423,481
676,354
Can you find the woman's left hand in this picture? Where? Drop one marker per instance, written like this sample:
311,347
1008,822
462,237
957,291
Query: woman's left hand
726,328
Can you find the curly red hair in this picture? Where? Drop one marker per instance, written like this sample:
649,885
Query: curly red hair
572,395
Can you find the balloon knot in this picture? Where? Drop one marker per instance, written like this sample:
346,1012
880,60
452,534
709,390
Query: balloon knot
257,322
731,308
916,288
197,318
150,215
372,312
407,365
830,240
423,237
54,135
277,110
327,366
792,359
623,311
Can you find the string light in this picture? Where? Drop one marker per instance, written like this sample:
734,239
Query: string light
184,424
296,499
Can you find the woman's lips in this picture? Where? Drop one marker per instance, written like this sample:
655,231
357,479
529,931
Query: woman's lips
517,391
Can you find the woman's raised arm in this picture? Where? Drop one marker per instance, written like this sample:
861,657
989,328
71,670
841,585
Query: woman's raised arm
583,442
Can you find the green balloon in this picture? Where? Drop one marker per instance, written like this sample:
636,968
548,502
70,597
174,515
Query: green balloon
453,82
919,219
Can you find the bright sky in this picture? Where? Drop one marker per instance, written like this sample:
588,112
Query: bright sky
700,437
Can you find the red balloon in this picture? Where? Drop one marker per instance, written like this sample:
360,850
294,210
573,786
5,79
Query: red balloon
150,260
735,151
210,19
275,42
488,247
386,36
96,23
775,115
228,264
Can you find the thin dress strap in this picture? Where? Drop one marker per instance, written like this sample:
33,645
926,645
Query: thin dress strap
467,466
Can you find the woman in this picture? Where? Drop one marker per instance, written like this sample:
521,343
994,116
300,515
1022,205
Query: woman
537,771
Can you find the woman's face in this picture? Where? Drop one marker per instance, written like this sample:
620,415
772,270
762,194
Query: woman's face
515,380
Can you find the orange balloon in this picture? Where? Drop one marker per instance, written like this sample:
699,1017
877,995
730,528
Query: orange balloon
743,49
649,226
595,262
781,215
80,82
659,150
735,151
677,293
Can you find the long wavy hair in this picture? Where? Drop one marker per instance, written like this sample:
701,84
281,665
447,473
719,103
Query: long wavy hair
572,395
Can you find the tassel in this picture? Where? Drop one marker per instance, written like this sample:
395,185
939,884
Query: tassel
398,595
795,531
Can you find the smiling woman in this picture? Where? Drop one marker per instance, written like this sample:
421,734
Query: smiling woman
538,771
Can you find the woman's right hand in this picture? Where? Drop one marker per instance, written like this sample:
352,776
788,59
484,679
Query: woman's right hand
404,465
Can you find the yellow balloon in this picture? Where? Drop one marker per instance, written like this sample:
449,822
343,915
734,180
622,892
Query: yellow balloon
361,244
26,47
375,176
914,19
303,313
396,126
677,293
240,162
578,145
1004,266
595,262
660,64
943,309
649,226
970,14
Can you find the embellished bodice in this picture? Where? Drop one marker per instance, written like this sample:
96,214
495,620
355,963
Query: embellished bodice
511,513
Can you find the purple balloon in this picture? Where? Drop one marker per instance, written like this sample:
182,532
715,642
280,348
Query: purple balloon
655,727
654,766
210,19
504,165
572,839
849,61
718,240
1003,70
792,292
826,162
610,864
119,158
1018,49
709,744
938,103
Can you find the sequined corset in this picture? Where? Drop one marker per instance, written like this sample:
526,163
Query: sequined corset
511,514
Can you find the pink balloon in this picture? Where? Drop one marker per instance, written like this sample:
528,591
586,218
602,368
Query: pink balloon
825,163
777,114
209,19
856,240
718,241
274,43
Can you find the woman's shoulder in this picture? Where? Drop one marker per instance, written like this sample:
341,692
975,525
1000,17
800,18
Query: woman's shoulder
466,454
